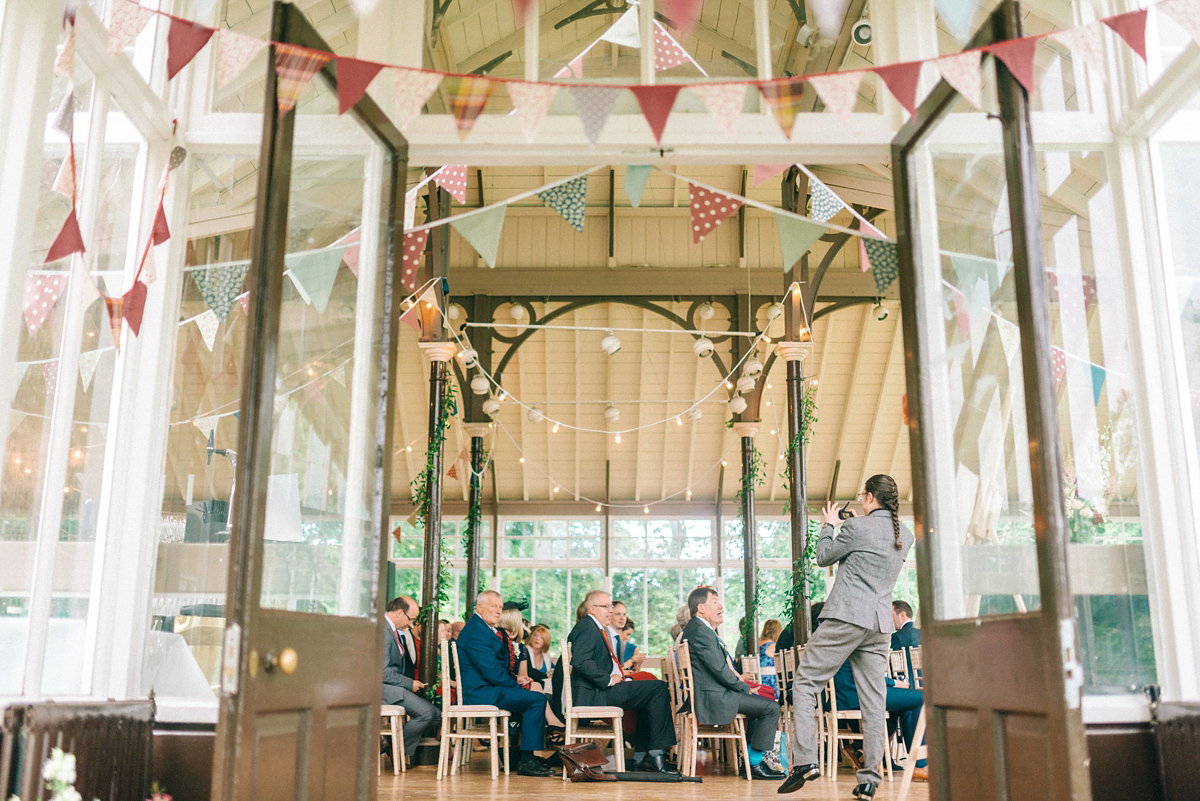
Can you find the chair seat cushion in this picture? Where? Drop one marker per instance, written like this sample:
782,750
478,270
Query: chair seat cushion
391,709
597,712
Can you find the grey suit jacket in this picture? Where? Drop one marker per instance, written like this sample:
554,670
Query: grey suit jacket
717,686
868,566
394,680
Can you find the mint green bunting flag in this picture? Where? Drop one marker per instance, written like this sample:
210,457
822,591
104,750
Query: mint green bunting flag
795,238
635,182
973,268
314,274
569,200
482,231
958,16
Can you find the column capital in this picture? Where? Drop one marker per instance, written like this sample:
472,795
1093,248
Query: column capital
748,429
793,351
439,351
477,429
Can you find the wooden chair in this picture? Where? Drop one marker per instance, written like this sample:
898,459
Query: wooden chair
460,722
914,659
574,718
671,677
835,735
694,731
919,751
750,665
898,664
393,727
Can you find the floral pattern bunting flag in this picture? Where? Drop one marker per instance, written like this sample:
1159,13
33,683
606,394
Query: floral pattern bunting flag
1086,43
709,209
64,181
64,62
414,249
184,40
569,200
220,285
724,102
468,95
1186,14
783,99
235,51
825,204
885,262
88,360
532,101
412,91
453,178
208,324
42,292
295,67
963,72
148,272
838,91
656,103
128,19
593,104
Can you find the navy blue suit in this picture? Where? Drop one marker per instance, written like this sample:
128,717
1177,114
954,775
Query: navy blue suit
908,636
483,657
903,703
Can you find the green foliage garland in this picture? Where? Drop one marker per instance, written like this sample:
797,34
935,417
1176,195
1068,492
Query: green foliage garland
420,497
753,478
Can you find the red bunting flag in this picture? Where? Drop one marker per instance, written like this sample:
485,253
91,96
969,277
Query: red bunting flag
1058,358
682,14
414,249
353,77
668,53
765,172
184,40
1017,55
68,241
161,232
901,80
134,305
1132,28
453,178
709,209
656,103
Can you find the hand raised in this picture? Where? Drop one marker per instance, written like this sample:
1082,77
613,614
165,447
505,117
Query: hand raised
831,513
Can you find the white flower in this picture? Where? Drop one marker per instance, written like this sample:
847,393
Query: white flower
59,767
67,794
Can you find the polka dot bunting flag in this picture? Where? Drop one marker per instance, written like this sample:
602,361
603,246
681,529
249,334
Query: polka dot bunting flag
414,248
709,209
453,179
41,294
668,53
1059,360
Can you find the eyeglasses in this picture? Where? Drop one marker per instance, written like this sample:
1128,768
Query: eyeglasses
861,496
602,606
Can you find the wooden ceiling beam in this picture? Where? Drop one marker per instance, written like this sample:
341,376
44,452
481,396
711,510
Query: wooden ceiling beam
893,357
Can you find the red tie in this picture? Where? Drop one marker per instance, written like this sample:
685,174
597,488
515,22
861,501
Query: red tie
611,652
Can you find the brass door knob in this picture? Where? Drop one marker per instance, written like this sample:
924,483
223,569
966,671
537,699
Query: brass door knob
288,659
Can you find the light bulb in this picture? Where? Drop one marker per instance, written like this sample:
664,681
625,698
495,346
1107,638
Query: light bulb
617,438
521,460
599,508
480,385
774,310
706,311
646,509
772,432
703,347
556,490
728,384
612,414
554,430
536,415
409,449
679,420
689,495
518,312
813,382
468,356
610,344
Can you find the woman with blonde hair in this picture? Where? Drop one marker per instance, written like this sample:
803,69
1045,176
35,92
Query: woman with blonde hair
766,651
511,628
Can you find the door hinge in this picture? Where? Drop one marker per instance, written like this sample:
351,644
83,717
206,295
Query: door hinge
231,659
1072,669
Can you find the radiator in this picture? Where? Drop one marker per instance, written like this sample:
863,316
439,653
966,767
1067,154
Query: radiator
110,741
1179,750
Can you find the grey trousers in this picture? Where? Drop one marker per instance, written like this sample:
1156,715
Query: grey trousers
423,717
831,644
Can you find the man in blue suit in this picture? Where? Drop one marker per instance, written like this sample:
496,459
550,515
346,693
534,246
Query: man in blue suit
483,657
906,634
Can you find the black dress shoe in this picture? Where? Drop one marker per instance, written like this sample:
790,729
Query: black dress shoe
761,771
799,775
653,764
531,767
865,790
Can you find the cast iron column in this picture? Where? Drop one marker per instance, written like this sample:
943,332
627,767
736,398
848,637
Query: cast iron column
439,354
474,502
793,353
749,534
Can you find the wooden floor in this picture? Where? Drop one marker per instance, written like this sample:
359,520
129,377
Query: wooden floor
475,784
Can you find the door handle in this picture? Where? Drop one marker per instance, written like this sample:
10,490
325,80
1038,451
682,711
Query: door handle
286,661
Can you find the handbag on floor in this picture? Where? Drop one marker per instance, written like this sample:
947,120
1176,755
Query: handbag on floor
584,762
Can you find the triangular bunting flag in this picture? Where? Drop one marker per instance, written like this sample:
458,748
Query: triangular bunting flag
796,237
1086,44
295,68
668,53
724,102
964,73
783,99
414,248
184,40
41,294
116,313
521,10
626,31
219,286
901,80
244,301
1132,28
453,179
574,69
64,62
315,273
838,91
972,269
68,241
413,88
482,231
353,77
351,241
339,374
593,104
885,262
160,233
958,16
410,319
569,200
64,118
64,181
825,204
656,103
410,218
1017,55
453,471
1058,359
532,101
207,426
1186,14
235,51
50,376
208,325
1098,375
21,368
709,209
134,305
1010,338
764,172
962,315
635,182
127,20
88,360
468,95
682,14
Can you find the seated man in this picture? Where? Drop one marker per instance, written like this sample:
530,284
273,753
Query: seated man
400,685
597,679
721,693
483,657
906,634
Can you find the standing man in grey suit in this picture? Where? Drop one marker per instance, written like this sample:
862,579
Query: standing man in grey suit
399,683
721,692
856,625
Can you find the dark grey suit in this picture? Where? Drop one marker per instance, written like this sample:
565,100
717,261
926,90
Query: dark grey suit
397,689
720,692
855,625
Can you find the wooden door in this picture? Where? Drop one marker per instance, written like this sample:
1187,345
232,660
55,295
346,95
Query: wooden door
1002,678
301,676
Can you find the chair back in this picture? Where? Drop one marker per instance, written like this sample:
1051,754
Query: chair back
914,660
897,663
685,671
564,664
785,667
448,649
750,665
671,676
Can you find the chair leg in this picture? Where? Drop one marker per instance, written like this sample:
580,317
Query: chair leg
495,757
397,747
619,744
915,753
745,747
507,746
454,757
443,754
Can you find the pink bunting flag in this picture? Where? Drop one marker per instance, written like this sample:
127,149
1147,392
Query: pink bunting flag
116,313
68,241
1017,55
314,390
148,272
668,53
532,101
160,233
468,94
50,375
1058,359
656,103
134,305
1086,43
412,90
64,62
411,319
350,254
295,68
838,91
709,209
353,77
901,80
64,181
126,22
962,315
724,102
184,40
414,249
765,172
1186,14
41,294
235,51
244,300
963,72
1132,28
682,14
453,178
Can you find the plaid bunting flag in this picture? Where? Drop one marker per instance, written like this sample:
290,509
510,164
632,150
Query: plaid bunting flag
295,68
468,95
783,99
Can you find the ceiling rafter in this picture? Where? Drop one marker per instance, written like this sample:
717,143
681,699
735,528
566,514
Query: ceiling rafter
893,351
516,39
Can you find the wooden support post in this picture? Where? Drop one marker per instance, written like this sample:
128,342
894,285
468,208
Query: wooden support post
431,564
749,535
474,521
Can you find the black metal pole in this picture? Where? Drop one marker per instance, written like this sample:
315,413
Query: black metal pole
474,519
431,567
798,500
750,547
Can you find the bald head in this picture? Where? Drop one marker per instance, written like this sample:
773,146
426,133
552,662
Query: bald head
598,604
